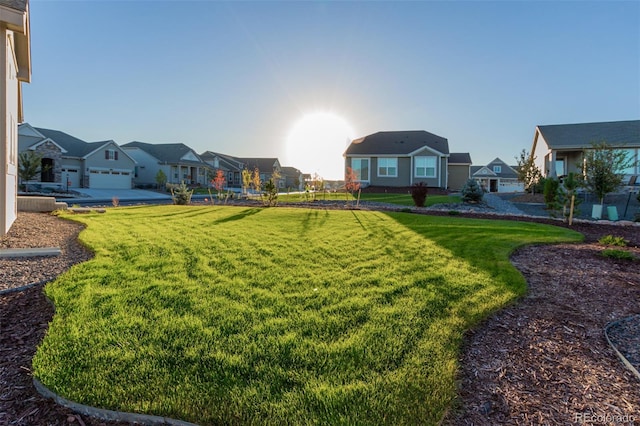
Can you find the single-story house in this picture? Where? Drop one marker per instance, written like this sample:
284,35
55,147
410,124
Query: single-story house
559,148
403,158
234,166
15,70
497,176
69,162
178,162
293,178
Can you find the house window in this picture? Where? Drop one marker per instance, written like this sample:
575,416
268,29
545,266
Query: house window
632,159
497,169
110,154
360,167
425,167
388,167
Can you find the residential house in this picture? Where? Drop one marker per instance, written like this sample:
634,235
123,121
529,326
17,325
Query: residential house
16,69
178,162
559,148
459,166
403,158
235,165
266,166
69,162
230,165
497,176
293,178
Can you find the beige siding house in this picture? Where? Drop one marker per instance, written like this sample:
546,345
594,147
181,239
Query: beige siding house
559,148
16,57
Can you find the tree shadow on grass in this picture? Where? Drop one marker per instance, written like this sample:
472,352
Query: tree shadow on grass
239,216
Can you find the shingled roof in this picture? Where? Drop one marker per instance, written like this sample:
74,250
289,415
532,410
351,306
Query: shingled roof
615,133
397,143
75,147
19,5
165,152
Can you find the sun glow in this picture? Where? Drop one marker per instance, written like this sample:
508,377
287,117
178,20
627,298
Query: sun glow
316,143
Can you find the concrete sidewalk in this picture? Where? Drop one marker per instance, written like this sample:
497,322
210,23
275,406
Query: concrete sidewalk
107,195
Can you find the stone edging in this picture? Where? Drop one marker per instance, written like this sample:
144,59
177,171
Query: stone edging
102,414
624,359
22,288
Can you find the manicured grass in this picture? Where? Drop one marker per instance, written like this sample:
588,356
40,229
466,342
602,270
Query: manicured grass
400,199
230,315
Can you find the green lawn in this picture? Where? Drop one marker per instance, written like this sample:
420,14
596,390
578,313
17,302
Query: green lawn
400,199
231,315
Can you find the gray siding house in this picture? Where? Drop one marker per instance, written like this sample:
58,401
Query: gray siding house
403,158
497,176
177,161
69,162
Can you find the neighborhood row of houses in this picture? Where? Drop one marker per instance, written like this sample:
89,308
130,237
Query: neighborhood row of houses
382,159
69,162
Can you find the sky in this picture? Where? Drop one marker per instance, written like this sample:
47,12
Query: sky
297,80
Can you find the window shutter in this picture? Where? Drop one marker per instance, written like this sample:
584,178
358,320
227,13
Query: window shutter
106,154
115,155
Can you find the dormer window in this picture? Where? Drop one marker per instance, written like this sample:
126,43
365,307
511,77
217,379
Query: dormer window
497,169
110,154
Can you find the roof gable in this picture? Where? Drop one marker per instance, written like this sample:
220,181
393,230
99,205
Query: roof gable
167,152
482,171
580,136
398,143
73,146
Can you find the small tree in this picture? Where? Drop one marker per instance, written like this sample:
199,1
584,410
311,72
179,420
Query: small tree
247,178
351,183
256,181
528,172
161,179
218,182
29,165
566,198
550,191
472,192
604,169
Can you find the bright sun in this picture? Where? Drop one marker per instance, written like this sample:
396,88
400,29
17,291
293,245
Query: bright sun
316,143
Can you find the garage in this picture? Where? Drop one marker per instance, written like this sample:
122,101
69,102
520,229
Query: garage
70,178
109,179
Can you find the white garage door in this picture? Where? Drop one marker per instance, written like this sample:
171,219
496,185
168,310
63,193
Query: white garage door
106,179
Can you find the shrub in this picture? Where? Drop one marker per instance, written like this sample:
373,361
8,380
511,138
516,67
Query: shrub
551,187
618,254
472,192
419,194
610,240
270,194
180,194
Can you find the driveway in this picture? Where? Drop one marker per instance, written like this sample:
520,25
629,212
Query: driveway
627,205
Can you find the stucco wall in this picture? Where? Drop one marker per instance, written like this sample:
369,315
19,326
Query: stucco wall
8,134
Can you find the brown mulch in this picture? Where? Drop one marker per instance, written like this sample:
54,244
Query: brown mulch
543,360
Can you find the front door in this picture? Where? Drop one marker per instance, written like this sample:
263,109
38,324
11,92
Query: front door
46,170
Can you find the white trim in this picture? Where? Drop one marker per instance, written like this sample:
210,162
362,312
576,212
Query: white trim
378,168
36,145
438,153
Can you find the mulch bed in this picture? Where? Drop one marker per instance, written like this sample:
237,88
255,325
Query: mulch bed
543,360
